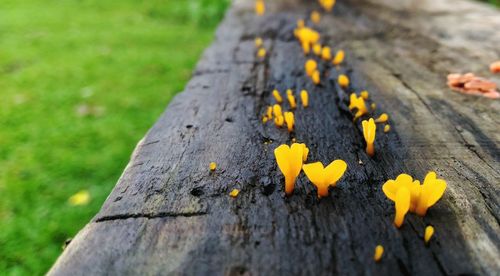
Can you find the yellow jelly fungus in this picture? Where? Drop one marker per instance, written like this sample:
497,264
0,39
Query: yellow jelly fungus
379,251
326,53
339,57
265,119
289,161
277,96
357,103
277,110
307,37
290,121
261,53
300,23
322,177
327,4
373,106
310,66
258,42
429,231
291,100
409,195
234,193
260,7
80,198
306,47
382,119
343,80
213,166
315,77
269,112
304,97
387,128
279,120
315,17
369,131
305,153
317,49
364,94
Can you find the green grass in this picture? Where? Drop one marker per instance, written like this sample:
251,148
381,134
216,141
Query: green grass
122,60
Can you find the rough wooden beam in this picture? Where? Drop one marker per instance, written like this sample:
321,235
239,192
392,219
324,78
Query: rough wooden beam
169,215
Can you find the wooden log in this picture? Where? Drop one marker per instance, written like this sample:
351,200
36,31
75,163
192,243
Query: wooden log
169,214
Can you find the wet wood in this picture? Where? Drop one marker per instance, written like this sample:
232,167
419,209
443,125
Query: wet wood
168,214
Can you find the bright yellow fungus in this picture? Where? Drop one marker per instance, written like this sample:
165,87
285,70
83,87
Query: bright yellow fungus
261,53
343,80
322,177
409,195
357,103
265,119
304,97
289,161
382,119
305,153
300,23
315,77
387,128
429,231
307,37
306,47
369,131
234,193
326,53
291,99
269,112
260,7
277,96
277,110
80,198
279,120
379,251
373,106
315,17
364,94
290,121
310,66
339,57
327,4
317,49
213,166
258,42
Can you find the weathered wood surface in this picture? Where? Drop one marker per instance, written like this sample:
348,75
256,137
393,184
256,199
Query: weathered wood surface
169,215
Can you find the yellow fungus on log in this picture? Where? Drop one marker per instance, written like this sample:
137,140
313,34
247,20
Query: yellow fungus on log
265,119
310,66
405,191
326,53
327,4
315,17
261,53
307,37
379,251
290,121
234,193
258,42
339,57
357,103
304,97
277,96
429,231
279,120
364,94
369,131
260,7
291,99
343,80
387,128
317,49
277,110
269,112
323,177
213,166
289,159
315,77
382,118
305,153
300,23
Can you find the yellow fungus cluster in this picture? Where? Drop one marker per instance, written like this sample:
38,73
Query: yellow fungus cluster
369,131
327,4
409,195
359,104
291,99
379,251
290,161
260,7
307,37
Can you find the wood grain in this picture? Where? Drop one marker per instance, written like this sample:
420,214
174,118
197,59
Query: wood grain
168,214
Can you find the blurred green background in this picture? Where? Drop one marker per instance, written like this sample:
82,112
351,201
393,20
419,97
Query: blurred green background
81,81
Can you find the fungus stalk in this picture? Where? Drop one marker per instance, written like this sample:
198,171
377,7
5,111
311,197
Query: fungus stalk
290,121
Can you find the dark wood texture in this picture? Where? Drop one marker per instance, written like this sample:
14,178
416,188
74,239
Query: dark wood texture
169,214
